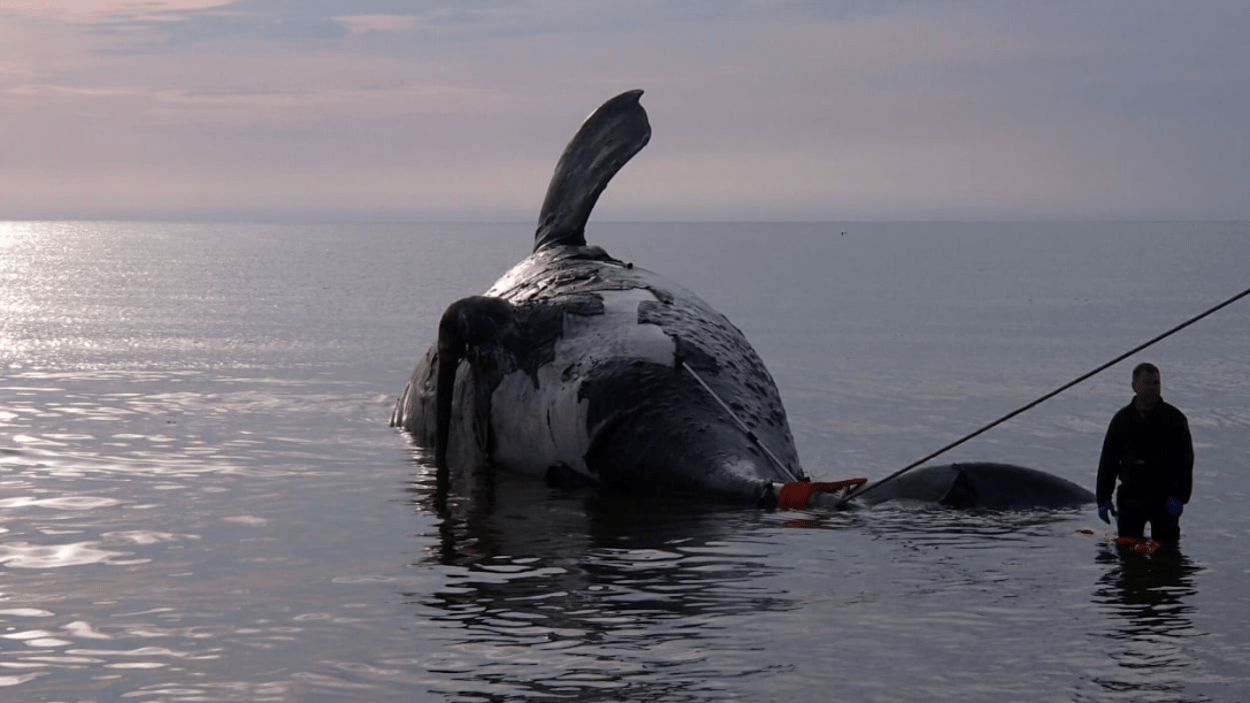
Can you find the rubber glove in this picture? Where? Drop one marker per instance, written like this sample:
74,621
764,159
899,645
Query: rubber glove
1104,509
1175,506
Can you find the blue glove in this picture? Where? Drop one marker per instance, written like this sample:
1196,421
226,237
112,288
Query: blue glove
1175,506
1104,509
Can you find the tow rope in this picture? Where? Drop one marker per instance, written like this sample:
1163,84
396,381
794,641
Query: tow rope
795,494
741,425
1048,396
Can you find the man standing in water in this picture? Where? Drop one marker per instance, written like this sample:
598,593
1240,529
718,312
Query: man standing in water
1149,448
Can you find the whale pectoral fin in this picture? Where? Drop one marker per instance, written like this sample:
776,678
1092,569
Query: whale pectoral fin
961,494
466,326
607,140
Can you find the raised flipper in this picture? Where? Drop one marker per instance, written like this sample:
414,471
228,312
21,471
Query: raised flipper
468,323
607,140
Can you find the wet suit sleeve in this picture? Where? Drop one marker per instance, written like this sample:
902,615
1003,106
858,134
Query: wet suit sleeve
1184,484
1109,460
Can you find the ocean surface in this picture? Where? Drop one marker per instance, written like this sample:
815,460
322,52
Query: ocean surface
200,499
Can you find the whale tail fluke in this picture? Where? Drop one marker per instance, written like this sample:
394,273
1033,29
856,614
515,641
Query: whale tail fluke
607,140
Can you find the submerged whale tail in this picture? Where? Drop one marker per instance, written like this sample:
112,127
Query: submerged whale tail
985,485
607,140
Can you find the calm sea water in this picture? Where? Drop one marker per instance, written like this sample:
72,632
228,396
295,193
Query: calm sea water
200,499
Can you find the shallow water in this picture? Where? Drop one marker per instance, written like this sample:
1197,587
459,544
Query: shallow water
200,499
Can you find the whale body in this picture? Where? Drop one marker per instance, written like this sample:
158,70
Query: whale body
582,368
979,485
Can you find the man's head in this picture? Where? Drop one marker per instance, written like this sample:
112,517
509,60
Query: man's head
1147,385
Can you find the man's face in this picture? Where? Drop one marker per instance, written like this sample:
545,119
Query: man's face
1148,388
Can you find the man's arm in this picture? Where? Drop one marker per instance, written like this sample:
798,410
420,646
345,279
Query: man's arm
1185,460
1109,462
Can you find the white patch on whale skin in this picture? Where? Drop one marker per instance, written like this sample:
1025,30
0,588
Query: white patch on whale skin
466,440
538,427
616,333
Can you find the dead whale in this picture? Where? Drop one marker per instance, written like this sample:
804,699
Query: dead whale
582,368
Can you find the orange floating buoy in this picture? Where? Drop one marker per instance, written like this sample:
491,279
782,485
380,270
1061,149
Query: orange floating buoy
794,495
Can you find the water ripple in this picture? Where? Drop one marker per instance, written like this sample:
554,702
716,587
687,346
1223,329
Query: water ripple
23,555
69,502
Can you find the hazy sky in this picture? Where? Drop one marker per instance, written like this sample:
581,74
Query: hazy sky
761,109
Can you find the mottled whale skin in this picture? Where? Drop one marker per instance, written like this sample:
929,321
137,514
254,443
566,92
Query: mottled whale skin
980,485
582,368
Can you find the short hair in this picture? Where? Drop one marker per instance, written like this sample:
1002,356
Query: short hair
1143,368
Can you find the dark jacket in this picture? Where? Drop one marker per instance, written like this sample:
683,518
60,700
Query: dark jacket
1151,453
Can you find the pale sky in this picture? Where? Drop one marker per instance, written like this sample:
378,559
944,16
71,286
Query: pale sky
760,109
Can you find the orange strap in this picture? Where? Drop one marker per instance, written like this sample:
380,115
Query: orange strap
1145,546
794,495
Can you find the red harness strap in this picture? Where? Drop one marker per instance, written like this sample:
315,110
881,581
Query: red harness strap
794,495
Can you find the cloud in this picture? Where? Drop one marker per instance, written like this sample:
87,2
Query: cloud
365,24
786,109
90,11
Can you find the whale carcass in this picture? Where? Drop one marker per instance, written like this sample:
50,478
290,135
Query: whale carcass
582,368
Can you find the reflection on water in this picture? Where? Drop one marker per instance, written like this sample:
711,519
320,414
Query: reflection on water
200,499
1149,590
557,594
1150,595
155,536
